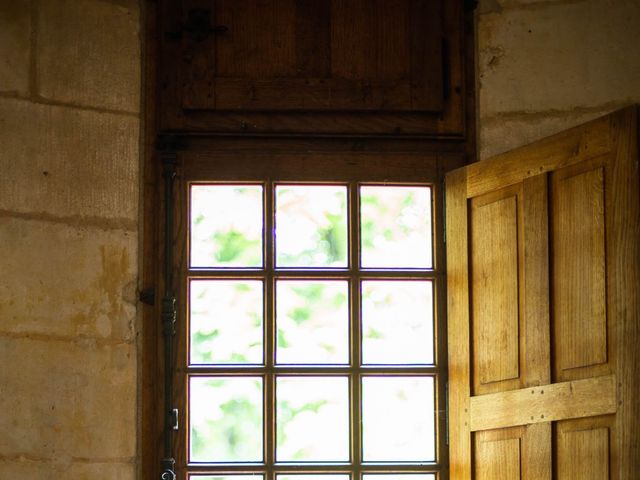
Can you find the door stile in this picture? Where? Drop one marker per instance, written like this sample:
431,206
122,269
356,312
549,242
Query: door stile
458,325
623,285
537,451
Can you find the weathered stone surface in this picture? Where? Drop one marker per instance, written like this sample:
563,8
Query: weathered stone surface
559,56
497,5
67,400
67,281
89,53
15,34
69,193
499,135
68,162
26,469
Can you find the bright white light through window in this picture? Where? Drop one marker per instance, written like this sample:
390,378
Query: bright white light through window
397,322
226,477
226,321
311,226
312,419
312,477
225,416
398,419
226,226
312,320
396,227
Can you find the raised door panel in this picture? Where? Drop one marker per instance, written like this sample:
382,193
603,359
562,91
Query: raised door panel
495,281
584,449
497,458
580,317
512,453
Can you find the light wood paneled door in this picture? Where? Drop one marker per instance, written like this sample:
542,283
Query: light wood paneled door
543,264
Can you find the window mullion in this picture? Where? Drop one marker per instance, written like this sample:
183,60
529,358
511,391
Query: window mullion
355,358
269,335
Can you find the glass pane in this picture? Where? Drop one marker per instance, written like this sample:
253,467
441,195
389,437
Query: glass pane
226,226
225,419
226,321
255,476
395,227
397,322
312,322
311,226
398,419
338,476
398,476
312,416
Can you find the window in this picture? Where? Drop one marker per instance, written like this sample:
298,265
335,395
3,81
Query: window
312,346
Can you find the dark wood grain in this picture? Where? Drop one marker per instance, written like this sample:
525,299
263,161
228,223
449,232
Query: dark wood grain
426,42
311,66
313,39
197,61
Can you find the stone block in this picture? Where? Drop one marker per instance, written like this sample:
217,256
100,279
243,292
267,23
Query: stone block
66,281
68,162
67,400
487,6
559,56
15,46
89,53
502,134
23,469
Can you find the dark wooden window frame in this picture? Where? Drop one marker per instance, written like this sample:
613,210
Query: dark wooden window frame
348,170
228,160
446,152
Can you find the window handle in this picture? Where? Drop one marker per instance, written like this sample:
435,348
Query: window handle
174,419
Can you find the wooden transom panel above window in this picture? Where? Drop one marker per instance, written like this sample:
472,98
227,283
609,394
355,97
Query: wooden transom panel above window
373,58
321,55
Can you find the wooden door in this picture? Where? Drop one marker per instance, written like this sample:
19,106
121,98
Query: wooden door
543,255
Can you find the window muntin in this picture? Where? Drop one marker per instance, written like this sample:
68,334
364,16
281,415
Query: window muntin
359,358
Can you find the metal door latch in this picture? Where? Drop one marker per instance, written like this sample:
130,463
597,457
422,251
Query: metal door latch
174,419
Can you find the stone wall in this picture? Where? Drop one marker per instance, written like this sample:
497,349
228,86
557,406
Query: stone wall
547,65
69,188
